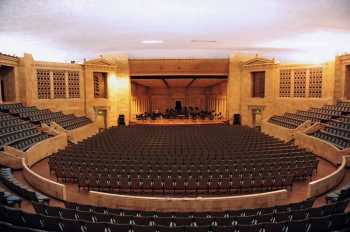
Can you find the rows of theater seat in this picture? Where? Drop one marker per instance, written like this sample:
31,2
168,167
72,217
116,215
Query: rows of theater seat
298,217
19,188
18,133
336,131
339,194
183,161
324,114
37,116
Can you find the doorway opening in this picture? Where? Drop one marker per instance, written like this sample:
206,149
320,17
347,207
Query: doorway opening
178,106
101,119
347,82
7,84
256,118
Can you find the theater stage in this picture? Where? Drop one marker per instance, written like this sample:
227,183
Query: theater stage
178,122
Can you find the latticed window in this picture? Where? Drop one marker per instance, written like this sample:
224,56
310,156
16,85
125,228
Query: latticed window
100,85
59,84
285,82
74,84
315,83
300,83
43,83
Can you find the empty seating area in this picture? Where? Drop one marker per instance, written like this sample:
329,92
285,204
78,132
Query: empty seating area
22,190
337,131
297,217
324,114
8,198
18,133
36,116
339,195
183,161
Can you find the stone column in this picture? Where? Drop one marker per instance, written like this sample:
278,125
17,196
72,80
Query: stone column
234,88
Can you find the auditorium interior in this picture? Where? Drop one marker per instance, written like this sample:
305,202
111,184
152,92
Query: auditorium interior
121,117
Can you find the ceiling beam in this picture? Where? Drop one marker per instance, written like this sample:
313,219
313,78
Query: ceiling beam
191,82
166,83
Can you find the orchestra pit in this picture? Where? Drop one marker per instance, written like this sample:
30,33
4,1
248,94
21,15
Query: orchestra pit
174,116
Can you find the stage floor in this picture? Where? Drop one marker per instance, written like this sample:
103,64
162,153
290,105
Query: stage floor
180,122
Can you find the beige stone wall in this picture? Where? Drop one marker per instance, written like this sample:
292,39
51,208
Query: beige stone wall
186,204
48,187
323,185
239,90
124,99
340,71
67,105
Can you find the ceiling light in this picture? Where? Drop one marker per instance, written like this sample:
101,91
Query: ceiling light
203,41
152,41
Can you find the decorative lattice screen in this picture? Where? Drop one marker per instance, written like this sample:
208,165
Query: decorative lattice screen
100,85
315,83
43,83
74,84
285,83
59,84
299,82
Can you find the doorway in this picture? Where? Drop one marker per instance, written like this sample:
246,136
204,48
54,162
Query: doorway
7,84
2,84
347,82
101,119
256,118
178,106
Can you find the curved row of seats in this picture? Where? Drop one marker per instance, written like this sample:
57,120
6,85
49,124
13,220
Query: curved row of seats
19,188
182,161
299,217
336,131
339,195
323,114
18,133
37,116
9,199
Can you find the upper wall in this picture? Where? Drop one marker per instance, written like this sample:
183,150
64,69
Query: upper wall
287,88
218,67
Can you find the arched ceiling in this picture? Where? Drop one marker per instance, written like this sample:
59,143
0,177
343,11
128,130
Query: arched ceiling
64,30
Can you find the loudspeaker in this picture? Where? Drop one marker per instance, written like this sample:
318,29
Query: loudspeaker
236,119
121,120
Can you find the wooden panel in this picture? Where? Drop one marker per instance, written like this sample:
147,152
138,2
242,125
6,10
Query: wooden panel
347,82
258,81
179,67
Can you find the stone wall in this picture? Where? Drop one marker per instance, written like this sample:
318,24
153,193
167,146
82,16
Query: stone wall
236,98
187,204
323,185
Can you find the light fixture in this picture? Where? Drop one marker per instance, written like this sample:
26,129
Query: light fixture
152,41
